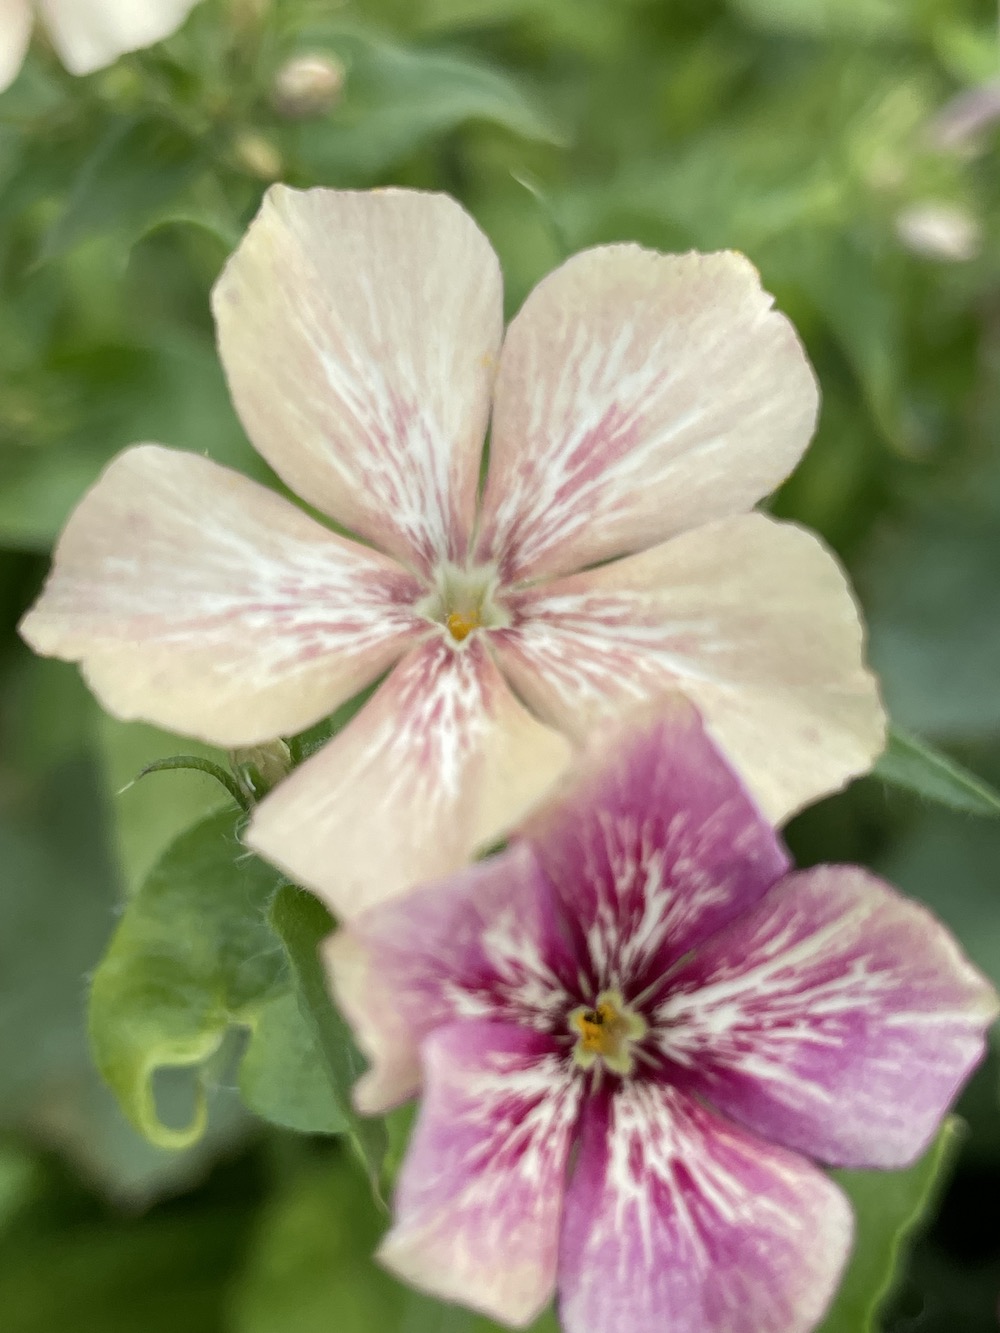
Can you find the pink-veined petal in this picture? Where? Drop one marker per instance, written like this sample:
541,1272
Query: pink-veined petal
638,396
480,944
752,619
359,332
89,34
654,846
837,1017
16,20
479,1198
441,761
677,1221
194,598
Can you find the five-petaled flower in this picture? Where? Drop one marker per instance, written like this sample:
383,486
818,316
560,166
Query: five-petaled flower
641,405
87,34
632,1028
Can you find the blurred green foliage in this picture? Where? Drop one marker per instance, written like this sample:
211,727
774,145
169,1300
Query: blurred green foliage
801,131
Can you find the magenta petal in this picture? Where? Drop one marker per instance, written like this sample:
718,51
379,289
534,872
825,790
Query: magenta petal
479,944
479,1198
838,1018
655,847
679,1222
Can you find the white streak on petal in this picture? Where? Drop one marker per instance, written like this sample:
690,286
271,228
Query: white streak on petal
752,619
359,332
201,601
638,396
836,1017
654,845
442,761
479,1197
677,1220
89,34
478,945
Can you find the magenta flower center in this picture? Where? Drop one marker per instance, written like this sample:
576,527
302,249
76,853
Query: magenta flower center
608,1032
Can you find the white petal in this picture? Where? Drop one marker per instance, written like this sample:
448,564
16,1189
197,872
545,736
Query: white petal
752,619
441,762
15,34
89,34
360,332
638,396
201,601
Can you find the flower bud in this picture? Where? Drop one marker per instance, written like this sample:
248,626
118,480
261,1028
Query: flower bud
940,231
307,85
258,156
259,768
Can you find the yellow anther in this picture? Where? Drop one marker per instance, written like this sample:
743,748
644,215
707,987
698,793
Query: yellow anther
596,1026
607,1033
462,623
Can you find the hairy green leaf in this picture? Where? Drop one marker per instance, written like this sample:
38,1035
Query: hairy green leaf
302,921
193,958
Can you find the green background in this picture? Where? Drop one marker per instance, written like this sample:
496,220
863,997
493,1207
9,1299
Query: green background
800,131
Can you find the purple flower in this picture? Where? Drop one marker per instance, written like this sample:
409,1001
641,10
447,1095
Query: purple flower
633,1028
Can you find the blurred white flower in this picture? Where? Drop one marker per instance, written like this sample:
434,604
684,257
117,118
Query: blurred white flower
940,231
87,34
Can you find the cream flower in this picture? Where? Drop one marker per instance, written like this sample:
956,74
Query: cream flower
87,34
641,405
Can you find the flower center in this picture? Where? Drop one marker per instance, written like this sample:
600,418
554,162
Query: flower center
607,1033
462,623
463,601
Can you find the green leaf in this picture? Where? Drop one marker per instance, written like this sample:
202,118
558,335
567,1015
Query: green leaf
917,767
871,19
283,1077
398,100
302,922
311,1269
888,1206
933,601
75,1267
136,170
78,409
193,958
950,864
57,904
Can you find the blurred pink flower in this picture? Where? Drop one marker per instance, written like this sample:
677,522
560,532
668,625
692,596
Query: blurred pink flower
87,34
641,404
633,1028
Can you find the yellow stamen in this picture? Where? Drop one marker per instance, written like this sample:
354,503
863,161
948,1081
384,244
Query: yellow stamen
607,1032
462,623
